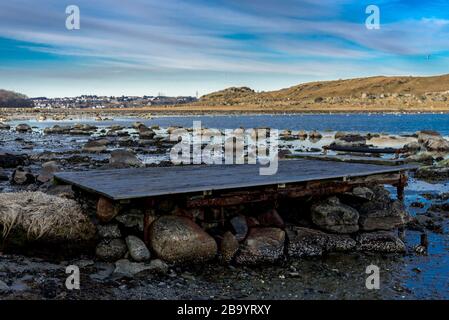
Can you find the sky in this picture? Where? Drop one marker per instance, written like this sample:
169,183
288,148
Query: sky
185,47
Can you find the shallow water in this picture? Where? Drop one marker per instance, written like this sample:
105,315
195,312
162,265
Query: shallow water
408,276
385,123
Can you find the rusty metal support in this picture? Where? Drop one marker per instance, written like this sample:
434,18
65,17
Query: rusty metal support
401,186
314,188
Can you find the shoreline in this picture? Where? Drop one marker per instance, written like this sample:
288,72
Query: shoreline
24,114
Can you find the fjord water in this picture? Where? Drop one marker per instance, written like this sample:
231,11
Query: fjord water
380,123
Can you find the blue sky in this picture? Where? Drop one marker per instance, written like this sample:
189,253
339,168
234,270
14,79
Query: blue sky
175,47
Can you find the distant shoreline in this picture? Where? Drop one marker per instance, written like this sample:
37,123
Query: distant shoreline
187,110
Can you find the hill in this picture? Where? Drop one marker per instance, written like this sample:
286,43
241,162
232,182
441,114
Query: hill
369,93
10,99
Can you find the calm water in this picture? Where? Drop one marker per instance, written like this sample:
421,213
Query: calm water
383,123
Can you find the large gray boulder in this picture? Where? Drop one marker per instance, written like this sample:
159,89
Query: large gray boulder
23,127
178,239
123,158
23,176
47,172
433,141
109,231
261,246
334,216
111,250
382,213
94,147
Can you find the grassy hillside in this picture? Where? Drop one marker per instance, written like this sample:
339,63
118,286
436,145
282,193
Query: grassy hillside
10,99
372,92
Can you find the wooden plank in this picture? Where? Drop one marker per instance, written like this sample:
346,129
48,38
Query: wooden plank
121,184
351,159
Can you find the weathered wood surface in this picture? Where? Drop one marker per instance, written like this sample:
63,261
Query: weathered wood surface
352,159
123,184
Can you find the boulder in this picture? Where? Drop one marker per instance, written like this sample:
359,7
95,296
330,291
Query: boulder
137,124
271,218
421,157
4,126
302,134
8,160
123,158
382,213
126,142
315,135
111,250
21,176
426,135
363,193
106,210
433,173
413,146
239,227
146,133
48,171
305,242
180,240
108,231
94,146
332,215
131,221
137,249
350,140
381,241
261,246
56,129
228,247
433,141
310,242
22,128
437,145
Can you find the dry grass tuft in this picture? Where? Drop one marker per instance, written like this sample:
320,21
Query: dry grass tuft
43,216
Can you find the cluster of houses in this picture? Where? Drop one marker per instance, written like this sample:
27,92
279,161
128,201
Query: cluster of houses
100,102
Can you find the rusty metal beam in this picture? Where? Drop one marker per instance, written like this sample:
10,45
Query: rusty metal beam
314,188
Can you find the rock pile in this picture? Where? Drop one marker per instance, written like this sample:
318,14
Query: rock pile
362,220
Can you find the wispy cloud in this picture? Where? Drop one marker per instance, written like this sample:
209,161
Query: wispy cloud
306,39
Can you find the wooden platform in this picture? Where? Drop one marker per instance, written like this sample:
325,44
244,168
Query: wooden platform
124,184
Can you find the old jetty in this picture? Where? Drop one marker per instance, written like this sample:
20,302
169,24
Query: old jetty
169,205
